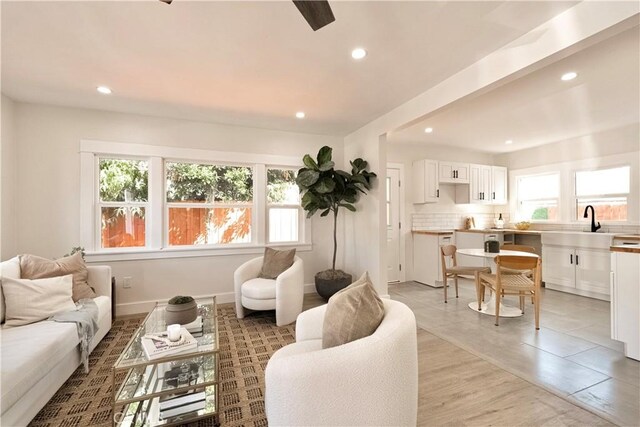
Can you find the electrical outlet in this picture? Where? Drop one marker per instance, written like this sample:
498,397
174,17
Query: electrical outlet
126,282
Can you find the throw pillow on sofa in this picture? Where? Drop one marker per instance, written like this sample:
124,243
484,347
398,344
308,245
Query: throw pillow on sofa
353,313
276,262
9,268
35,267
28,301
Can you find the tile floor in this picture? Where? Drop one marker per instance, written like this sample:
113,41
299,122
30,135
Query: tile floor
571,355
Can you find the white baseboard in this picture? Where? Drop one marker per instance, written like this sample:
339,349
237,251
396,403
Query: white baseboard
140,307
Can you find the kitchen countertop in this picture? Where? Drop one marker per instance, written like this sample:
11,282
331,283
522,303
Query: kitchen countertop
499,230
627,237
433,232
634,249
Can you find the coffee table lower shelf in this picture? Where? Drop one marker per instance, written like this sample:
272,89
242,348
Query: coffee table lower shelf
146,412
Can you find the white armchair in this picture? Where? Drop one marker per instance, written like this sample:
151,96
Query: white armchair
370,381
284,294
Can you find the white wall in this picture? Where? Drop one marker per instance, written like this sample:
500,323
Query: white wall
365,230
610,148
8,179
613,141
406,154
48,182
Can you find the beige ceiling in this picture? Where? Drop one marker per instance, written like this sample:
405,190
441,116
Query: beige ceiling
540,108
250,63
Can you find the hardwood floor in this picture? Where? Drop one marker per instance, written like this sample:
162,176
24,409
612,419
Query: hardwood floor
571,355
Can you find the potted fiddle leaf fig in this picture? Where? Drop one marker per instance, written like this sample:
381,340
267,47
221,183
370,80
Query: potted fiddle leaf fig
326,190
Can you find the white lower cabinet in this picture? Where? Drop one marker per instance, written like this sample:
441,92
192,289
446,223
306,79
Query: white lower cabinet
427,267
582,271
625,301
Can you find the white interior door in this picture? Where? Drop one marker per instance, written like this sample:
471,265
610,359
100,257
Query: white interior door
393,225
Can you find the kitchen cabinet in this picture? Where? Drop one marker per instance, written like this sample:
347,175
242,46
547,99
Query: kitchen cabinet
427,268
498,185
625,301
487,185
453,173
577,263
425,182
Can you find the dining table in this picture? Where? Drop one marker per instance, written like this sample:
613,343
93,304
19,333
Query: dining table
489,257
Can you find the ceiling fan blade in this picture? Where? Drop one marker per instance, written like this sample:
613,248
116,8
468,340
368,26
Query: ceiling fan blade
166,1
318,13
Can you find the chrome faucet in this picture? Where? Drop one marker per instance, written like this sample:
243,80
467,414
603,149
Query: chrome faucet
594,227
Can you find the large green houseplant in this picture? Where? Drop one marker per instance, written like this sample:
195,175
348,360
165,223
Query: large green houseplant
326,190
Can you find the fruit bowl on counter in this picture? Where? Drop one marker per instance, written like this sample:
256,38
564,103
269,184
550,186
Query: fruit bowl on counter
522,225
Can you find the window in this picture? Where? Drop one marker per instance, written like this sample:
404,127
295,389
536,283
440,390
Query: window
283,205
122,205
538,197
606,190
208,204
145,202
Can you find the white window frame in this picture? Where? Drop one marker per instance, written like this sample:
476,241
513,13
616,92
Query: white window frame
254,216
100,204
577,216
302,229
557,199
156,217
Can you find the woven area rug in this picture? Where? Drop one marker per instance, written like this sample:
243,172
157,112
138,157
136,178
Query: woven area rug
245,348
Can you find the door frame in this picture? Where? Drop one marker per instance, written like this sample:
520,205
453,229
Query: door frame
403,231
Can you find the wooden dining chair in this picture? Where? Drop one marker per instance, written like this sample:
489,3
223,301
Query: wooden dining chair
518,248
452,269
527,282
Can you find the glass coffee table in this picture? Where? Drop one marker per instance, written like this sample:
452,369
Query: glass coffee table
175,389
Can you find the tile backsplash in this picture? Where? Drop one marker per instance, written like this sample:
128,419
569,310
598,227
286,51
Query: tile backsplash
455,220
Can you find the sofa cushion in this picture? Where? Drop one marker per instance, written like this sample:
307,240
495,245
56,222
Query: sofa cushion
259,289
35,267
29,301
352,314
29,352
9,268
276,262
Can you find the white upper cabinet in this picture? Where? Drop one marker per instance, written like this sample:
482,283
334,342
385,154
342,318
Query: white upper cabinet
498,185
425,181
454,173
480,184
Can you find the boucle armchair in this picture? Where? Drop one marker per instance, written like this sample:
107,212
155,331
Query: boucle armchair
284,294
370,381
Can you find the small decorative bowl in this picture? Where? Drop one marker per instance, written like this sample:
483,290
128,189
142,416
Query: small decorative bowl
522,225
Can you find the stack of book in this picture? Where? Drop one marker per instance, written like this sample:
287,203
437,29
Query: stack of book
157,346
181,404
195,327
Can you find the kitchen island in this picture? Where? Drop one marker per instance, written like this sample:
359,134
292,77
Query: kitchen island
625,297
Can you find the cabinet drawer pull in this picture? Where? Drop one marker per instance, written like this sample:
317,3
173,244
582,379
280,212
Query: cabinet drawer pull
438,193
571,256
577,260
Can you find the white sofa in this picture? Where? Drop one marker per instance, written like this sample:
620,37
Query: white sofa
372,381
285,294
38,358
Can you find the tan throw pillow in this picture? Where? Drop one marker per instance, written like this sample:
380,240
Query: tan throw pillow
353,313
276,262
363,279
29,301
35,267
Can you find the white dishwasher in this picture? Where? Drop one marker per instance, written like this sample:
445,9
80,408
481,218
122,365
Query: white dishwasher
427,268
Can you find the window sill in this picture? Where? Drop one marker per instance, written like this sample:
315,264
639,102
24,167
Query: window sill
186,252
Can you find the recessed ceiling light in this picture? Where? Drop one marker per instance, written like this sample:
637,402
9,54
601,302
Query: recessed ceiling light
508,141
104,90
428,130
569,76
358,53
300,114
